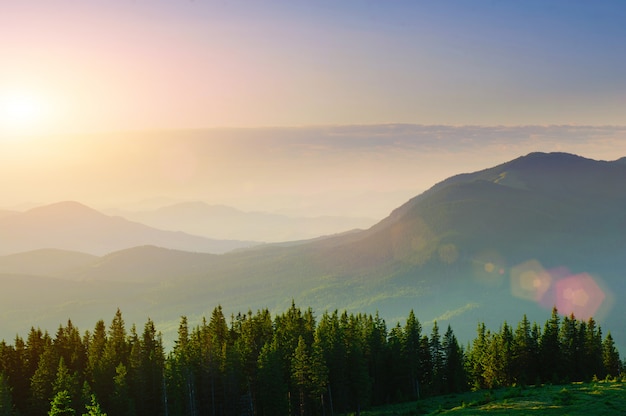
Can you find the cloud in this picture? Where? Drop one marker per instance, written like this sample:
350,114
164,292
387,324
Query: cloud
447,315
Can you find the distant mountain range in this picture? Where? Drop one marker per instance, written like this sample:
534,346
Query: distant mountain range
224,222
538,231
76,227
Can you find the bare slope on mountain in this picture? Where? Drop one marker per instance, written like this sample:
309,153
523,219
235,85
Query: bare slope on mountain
73,226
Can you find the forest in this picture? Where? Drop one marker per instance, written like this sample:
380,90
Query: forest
288,364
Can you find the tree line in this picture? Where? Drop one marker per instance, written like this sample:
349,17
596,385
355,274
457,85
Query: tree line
288,364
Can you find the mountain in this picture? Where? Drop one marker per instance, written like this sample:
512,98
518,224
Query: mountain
76,227
220,221
143,264
45,262
488,246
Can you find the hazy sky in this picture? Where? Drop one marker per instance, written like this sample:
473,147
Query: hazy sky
334,80
345,170
142,64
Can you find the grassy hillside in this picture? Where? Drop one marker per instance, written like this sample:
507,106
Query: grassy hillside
584,399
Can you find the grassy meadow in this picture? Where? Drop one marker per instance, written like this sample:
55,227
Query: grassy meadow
596,398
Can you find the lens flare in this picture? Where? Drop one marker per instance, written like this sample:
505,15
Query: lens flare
489,268
530,281
579,294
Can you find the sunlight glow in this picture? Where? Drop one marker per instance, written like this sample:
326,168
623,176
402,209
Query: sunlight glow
21,113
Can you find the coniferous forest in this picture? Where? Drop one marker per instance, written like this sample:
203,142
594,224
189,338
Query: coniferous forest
289,364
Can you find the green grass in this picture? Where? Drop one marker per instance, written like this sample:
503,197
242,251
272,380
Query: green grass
598,398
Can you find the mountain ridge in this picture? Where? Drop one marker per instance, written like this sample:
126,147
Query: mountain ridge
72,226
226,222
465,241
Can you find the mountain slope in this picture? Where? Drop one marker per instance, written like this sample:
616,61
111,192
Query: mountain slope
45,262
458,253
75,227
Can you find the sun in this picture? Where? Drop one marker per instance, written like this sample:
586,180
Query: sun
21,113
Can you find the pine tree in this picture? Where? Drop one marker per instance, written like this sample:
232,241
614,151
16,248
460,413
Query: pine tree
329,333
6,397
436,352
69,346
61,405
523,356
318,374
492,361
147,378
301,375
66,381
12,370
121,402
475,358
396,371
610,357
570,349
180,368
377,358
550,350
42,381
98,374
426,365
272,386
454,377
94,409
506,340
410,352
592,350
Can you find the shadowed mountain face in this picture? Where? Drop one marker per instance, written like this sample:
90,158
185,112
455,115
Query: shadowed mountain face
539,231
73,226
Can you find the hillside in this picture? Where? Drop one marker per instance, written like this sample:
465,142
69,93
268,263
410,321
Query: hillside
521,237
582,399
45,262
75,227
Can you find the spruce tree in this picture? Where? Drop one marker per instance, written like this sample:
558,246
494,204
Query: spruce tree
301,376
522,354
94,409
411,352
610,357
550,350
61,405
436,352
6,397
454,377
66,381
272,386
41,384
476,358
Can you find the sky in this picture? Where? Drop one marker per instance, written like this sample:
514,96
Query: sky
297,106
